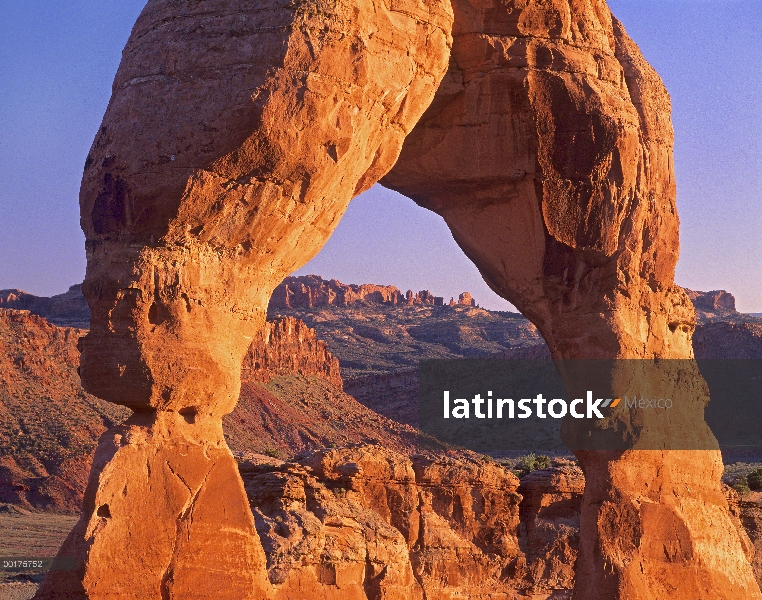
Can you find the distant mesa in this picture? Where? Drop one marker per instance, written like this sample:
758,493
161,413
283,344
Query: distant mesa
65,310
309,291
717,300
70,309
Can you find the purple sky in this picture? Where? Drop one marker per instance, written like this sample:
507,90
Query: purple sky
57,61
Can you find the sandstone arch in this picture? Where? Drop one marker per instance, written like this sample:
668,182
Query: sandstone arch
197,200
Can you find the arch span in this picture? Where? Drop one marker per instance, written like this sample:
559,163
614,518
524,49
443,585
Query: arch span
236,135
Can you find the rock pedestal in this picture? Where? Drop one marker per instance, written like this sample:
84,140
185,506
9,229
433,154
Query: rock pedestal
234,140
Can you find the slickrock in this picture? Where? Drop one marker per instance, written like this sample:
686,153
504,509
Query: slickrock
364,522
548,152
309,291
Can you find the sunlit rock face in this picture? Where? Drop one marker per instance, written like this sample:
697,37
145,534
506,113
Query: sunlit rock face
237,134
548,152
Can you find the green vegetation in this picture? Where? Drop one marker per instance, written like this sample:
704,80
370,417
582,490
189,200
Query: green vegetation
742,486
532,462
754,480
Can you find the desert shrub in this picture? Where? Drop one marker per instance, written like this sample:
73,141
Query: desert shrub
754,479
742,486
272,452
532,462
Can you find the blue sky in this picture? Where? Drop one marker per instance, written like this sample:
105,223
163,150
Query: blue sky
57,61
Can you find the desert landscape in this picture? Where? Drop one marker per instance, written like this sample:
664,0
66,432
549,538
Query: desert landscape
315,442
193,420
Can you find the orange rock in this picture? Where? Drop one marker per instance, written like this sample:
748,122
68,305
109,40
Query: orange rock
406,529
289,347
548,152
311,290
233,142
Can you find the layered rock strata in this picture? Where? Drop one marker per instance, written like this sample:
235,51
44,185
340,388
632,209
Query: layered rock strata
288,347
309,291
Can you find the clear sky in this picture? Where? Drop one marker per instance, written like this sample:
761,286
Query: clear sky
58,58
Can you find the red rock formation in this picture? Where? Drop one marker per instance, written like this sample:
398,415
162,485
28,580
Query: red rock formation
712,301
233,142
288,347
464,299
548,152
309,291
46,447
363,522
235,138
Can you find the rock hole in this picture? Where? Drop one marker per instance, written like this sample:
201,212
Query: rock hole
104,511
673,327
189,414
157,314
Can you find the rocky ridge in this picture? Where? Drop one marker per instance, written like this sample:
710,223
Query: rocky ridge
291,401
310,291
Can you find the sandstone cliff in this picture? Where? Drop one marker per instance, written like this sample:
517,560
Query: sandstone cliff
310,291
717,300
291,401
288,347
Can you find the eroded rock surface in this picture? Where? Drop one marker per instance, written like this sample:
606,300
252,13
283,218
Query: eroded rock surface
548,152
310,291
364,522
235,137
288,347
